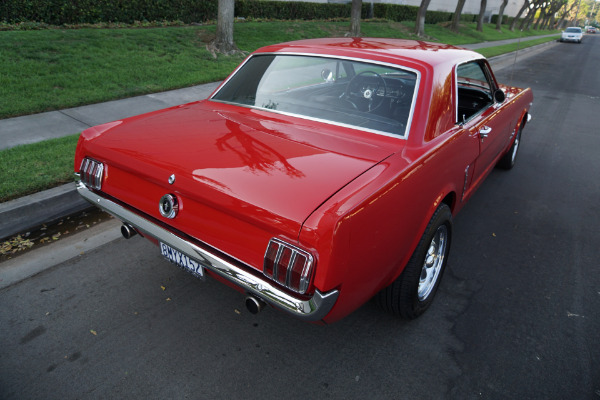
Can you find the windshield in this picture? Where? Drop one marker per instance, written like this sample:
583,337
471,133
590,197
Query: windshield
358,94
573,30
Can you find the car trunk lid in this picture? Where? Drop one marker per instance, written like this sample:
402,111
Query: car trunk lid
256,166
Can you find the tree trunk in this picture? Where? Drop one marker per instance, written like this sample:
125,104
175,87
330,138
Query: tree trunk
481,15
420,24
549,17
530,16
527,20
456,17
223,42
561,21
540,19
555,7
549,23
521,11
530,21
537,6
355,18
501,15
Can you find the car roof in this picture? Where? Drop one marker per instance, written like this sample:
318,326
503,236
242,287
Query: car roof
380,49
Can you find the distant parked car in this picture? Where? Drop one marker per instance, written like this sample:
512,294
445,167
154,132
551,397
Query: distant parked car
572,34
591,29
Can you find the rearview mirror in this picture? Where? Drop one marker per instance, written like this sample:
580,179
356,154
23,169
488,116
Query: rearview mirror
327,75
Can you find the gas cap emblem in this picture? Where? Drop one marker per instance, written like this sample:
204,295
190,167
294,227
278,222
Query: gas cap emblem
172,179
168,206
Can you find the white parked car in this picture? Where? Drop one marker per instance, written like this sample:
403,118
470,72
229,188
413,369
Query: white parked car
572,34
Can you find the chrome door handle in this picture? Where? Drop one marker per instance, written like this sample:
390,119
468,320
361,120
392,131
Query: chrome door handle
484,131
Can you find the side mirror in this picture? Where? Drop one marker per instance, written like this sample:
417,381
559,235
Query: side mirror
499,96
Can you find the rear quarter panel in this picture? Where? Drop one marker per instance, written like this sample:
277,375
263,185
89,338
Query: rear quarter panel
367,232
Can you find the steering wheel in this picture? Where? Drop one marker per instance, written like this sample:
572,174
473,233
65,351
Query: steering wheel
362,91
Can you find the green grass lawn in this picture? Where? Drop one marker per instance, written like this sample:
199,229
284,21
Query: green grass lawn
54,69
508,48
468,33
60,68
34,167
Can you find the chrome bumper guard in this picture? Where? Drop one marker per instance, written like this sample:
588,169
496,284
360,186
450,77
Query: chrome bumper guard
313,309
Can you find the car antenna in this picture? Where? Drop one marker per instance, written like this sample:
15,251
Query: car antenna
512,72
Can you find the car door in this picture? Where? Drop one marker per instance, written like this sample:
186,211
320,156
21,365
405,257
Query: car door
479,114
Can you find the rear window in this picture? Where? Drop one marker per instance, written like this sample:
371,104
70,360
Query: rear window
368,96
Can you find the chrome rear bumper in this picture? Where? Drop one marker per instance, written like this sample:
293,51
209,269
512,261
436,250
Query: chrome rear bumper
313,309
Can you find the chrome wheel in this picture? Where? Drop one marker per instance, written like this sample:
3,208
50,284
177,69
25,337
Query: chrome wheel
508,160
434,260
515,148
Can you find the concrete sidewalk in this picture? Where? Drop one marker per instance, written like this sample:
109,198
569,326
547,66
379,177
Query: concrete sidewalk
482,45
45,207
38,127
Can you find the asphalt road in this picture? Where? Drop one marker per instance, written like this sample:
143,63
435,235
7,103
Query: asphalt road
517,317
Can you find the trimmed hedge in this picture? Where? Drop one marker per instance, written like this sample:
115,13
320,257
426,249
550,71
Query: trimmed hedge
61,12
284,10
506,20
396,12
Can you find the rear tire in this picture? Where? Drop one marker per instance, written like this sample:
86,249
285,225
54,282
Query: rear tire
411,294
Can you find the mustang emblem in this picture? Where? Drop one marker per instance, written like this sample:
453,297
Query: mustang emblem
168,206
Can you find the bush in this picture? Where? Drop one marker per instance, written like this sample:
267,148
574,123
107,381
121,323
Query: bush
395,12
60,12
506,20
284,10
65,12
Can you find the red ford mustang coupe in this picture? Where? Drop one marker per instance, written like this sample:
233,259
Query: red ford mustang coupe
320,174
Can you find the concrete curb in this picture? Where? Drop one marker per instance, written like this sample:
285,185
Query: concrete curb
38,260
45,207
50,205
508,59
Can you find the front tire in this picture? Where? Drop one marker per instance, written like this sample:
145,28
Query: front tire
411,294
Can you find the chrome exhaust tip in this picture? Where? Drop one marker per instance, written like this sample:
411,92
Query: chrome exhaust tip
128,231
254,304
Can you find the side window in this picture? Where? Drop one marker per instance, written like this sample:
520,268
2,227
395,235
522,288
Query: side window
473,91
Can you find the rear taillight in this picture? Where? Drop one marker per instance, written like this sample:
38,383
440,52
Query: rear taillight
288,265
91,172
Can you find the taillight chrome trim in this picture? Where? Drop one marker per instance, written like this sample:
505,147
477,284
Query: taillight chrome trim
273,271
314,308
91,173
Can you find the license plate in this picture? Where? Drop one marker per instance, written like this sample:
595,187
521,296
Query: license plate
185,262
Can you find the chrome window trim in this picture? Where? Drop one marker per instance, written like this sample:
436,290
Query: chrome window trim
456,116
312,309
363,60
340,124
